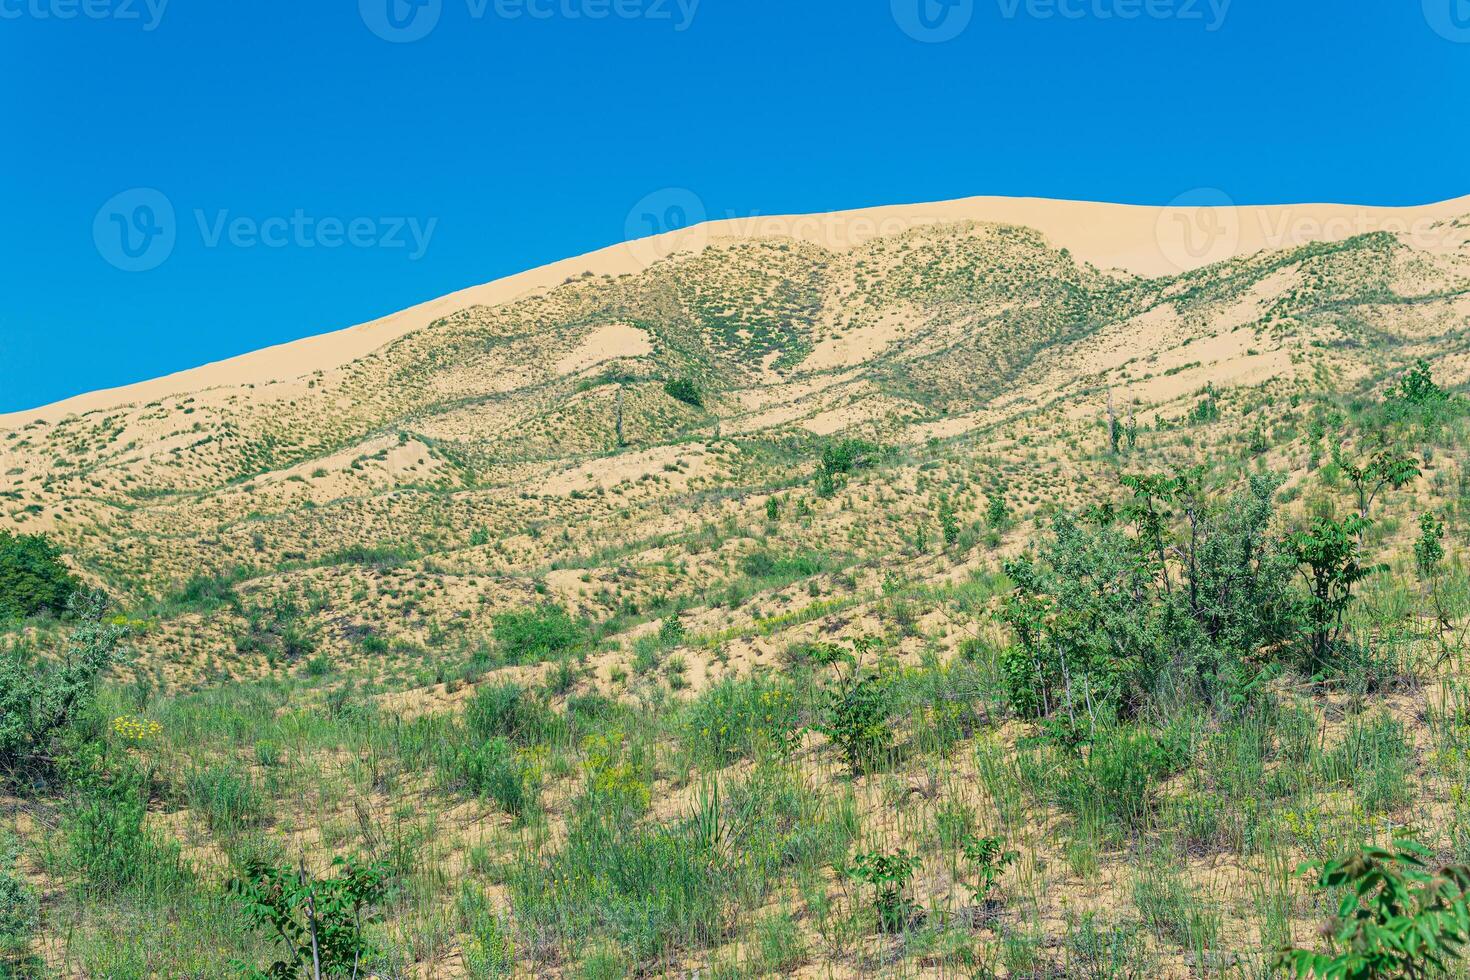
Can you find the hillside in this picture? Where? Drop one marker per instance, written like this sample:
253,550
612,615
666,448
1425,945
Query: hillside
651,488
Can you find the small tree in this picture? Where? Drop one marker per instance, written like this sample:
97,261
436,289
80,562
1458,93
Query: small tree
319,922
1429,549
997,514
949,524
1416,387
1397,919
839,459
987,858
854,715
888,875
1328,556
1385,469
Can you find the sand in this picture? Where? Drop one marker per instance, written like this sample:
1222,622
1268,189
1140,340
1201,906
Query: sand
1146,241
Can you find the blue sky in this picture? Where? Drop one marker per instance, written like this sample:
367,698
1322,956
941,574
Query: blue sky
319,175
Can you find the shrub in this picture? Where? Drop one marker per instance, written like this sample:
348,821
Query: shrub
40,702
1330,556
320,923
987,859
32,576
1103,617
509,711
537,634
840,459
856,707
684,390
888,875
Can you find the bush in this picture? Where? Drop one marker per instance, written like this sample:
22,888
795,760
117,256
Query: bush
32,576
20,910
492,769
1102,620
841,458
684,390
537,634
857,703
509,711
888,875
40,702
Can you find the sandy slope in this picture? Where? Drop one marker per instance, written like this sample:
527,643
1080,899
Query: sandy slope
1148,241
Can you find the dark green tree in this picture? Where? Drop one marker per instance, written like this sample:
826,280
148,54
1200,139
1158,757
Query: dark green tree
32,576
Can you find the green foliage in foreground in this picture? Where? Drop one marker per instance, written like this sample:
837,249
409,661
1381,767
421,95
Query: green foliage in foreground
32,576
20,910
319,922
1396,918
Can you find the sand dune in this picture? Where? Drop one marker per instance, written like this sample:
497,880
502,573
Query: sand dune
1147,241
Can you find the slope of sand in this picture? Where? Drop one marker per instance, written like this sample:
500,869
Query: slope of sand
1145,241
